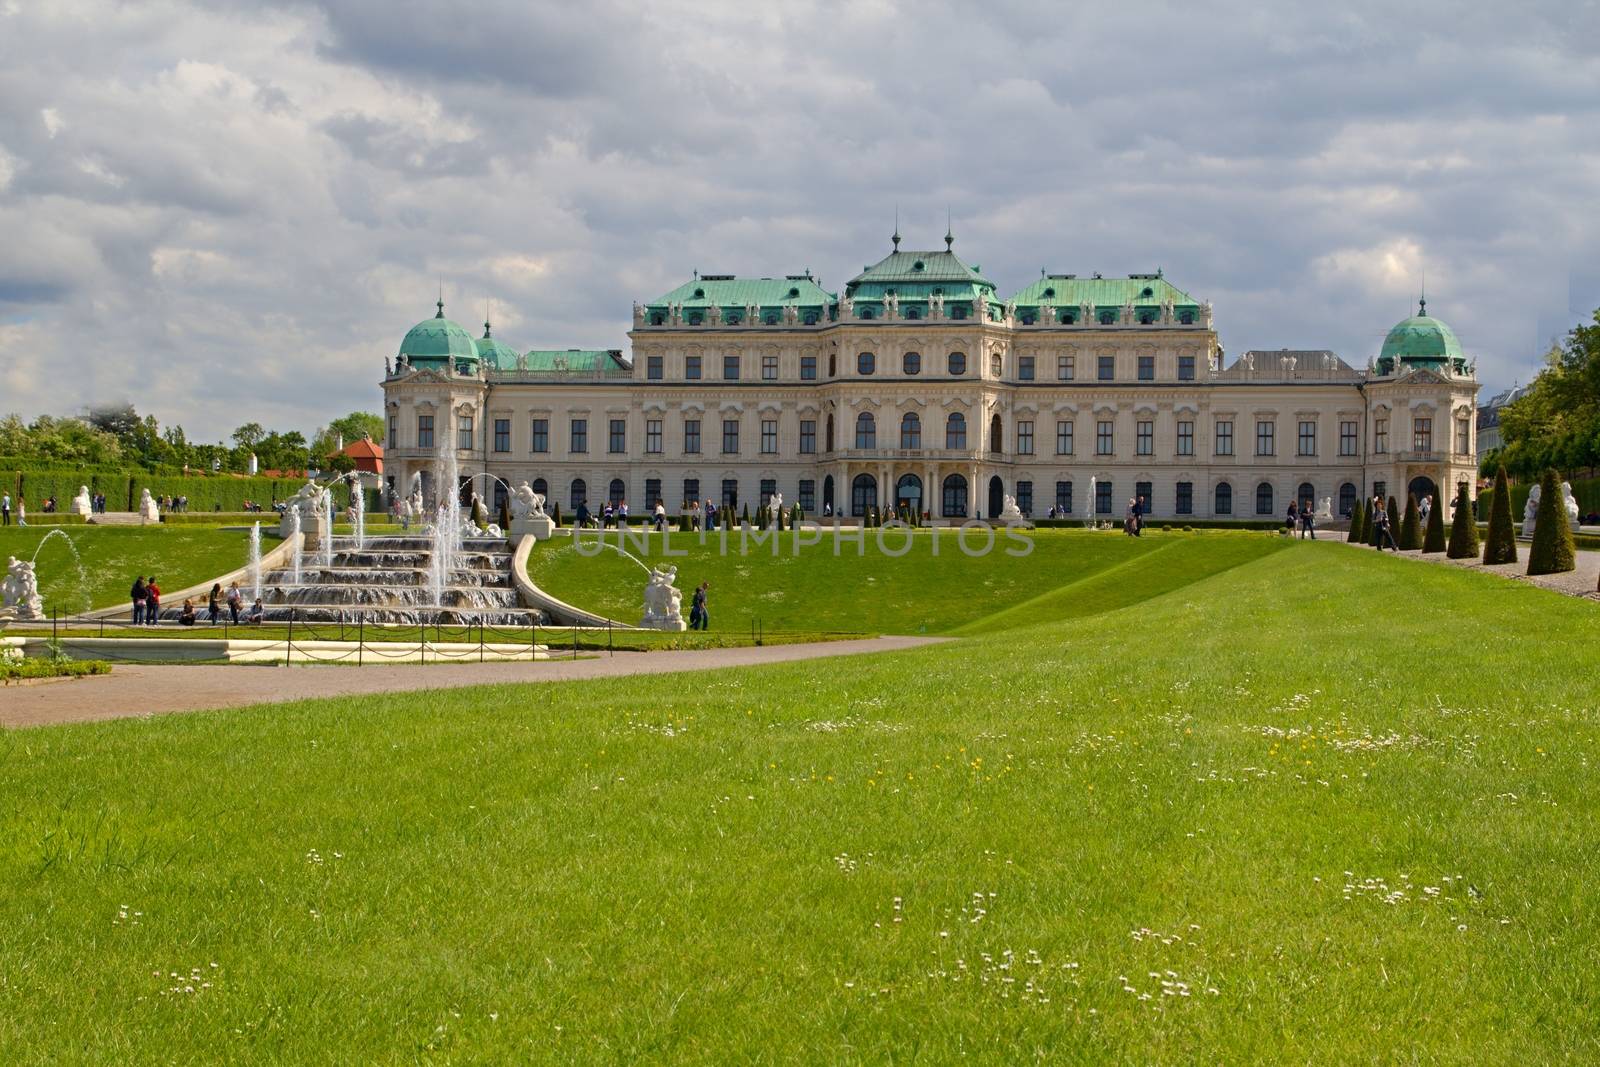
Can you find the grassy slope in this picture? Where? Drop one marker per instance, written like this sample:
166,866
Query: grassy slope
850,590
179,556
751,866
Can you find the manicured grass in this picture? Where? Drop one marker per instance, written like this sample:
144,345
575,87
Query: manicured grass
846,586
1285,790
112,556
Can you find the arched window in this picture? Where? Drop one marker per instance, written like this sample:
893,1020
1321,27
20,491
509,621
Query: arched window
865,362
1347,500
910,431
866,313
908,492
863,494
1027,319
954,504
657,319
579,494
1186,317
997,438
1224,504
616,491
829,442
1145,318
833,364
958,363
913,313
955,431
995,366
911,363
694,318
1307,494
1264,498
866,430
541,487
810,318
1107,318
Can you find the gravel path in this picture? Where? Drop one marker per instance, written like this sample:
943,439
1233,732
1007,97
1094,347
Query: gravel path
141,690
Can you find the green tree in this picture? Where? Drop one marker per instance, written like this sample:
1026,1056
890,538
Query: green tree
1464,528
1411,525
1500,546
1433,539
1358,518
248,436
1552,551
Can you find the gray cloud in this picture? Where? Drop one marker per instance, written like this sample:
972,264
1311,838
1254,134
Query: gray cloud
233,211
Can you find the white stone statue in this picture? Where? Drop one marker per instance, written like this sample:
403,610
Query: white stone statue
19,590
1086,314
662,601
1325,509
148,512
891,306
1010,513
1530,514
638,315
714,315
776,504
82,504
525,503
1047,313
847,307
936,306
308,499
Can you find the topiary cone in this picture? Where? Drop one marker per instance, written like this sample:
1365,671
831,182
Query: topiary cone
1357,530
1411,526
1501,544
1464,529
1433,539
1553,551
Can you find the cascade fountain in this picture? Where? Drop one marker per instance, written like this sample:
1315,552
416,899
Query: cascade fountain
325,542
255,562
358,504
294,536
1088,504
446,534
77,562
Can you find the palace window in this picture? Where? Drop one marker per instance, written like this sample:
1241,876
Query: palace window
959,311
394,431
730,492
955,432
1142,491
954,497
808,436
1145,438
769,368
1025,368
865,362
910,431
1378,489
1147,368
1347,500
767,490
995,366
730,368
808,368
997,438
653,368
691,490
1308,438
866,430
1107,317
1104,444
1264,498
1463,435
1347,437
1025,497
1185,438
1225,437
1186,317
579,493
1380,434
1185,498
1266,431
502,435
730,436
911,363
464,431
652,493
691,368
691,436
1224,505
1064,437
833,364
958,363
828,445
1422,434
1185,368
424,431
769,436
808,495
1066,367
652,435
1063,498
1102,498
541,435
618,441
1107,368
1024,438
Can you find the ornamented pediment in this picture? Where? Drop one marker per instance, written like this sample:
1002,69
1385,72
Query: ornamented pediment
1423,377
424,377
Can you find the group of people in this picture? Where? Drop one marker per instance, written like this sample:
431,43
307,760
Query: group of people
1133,520
699,615
1301,517
147,604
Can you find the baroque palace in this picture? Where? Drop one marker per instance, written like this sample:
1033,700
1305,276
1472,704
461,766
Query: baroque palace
920,385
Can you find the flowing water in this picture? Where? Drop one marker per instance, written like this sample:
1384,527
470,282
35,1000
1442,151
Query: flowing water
294,536
77,563
358,502
1088,503
255,562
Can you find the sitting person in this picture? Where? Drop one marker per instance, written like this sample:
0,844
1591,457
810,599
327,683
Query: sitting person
186,616
256,613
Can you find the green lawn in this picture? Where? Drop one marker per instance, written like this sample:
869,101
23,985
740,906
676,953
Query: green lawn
179,556
1319,806
873,588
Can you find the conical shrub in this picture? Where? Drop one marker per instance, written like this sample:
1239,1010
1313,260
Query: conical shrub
1411,526
1433,539
1500,546
1464,529
1553,551
1357,517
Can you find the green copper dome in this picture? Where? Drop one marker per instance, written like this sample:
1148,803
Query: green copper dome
1420,340
498,355
438,339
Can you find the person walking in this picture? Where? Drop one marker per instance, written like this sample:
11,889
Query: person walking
22,512
152,602
138,594
1139,514
1292,521
1308,526
5,508
1385,529
235,602
214,603
699,614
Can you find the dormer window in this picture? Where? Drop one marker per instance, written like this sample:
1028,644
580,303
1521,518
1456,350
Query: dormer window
731,320
699,294
918,265
1069,318
1145,318
1027,320
1049,294
959,312
772,319
1186,317
913,313
657,319
695,318
793,292
1107,317
866,313
810,318
1148,291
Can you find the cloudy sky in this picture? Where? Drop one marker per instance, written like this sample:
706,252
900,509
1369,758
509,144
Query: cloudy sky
233,211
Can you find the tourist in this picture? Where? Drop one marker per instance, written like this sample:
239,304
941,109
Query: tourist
1307,526
22,512
5,509
622,513
214,602
711,515
1422,512
1130,519
152,601
257,612
235,602
1293,519
138,594
699,614
1385,527
186,616
581,518
661,516
1144,509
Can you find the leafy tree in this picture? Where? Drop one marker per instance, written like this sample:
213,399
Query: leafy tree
1464,528
1501,544
1553,551
1433,539
118,420
248,436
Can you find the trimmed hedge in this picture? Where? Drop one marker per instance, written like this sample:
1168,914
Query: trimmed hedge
1433,539
1358,524
1174,520
1553,551
1500,546
1463,529
1411,525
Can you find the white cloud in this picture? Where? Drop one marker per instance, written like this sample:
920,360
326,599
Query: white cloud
52,121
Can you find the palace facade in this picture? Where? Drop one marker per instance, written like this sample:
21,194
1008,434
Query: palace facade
919,384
